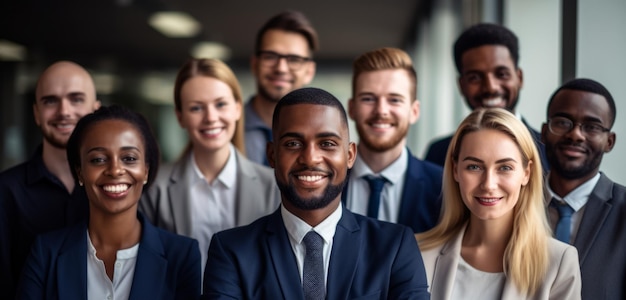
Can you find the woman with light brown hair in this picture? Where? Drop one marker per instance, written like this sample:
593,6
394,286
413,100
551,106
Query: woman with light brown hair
212,186
493,240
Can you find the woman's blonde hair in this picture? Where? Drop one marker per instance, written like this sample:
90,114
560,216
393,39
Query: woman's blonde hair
217,69
525,259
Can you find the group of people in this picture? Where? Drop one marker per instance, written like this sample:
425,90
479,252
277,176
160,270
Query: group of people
285,205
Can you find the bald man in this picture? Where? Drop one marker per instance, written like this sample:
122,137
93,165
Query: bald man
40,194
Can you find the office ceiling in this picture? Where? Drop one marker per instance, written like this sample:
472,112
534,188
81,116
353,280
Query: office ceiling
115,33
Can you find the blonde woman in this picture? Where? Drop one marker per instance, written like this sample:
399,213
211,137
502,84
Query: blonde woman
492,240
212,186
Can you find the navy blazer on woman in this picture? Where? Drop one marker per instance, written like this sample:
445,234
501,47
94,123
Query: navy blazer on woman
370,259
168,266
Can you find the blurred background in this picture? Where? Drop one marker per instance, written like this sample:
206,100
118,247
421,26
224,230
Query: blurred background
134,64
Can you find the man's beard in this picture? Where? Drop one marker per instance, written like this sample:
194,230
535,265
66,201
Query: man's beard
54,142
378,145
330,193
588,167
262,91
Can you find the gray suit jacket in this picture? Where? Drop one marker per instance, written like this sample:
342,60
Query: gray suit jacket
562,279
166,203
601,242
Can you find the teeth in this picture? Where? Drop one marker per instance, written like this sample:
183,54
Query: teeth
492,101
381,125
64,126
118,188
488,200
310,178
212,131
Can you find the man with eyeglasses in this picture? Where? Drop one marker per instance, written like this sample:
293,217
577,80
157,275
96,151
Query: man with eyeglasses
587,209
281,63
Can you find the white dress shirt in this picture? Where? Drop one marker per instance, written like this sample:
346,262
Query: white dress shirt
99,286
576,199
297,229
391,195
212,204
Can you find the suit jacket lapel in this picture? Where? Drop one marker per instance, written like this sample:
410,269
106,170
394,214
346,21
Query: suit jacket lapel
179,193
151,266
596,211
413,189
283,259
344,257
445,267
72,265
248,203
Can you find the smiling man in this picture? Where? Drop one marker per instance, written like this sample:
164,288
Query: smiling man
282,62
486,57
312,247
40,195
587,210
387,181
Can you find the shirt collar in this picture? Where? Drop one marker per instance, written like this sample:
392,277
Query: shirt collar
297,228
578,197
393,173
228,175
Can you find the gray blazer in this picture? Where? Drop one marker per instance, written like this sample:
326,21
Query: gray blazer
562,279
166,203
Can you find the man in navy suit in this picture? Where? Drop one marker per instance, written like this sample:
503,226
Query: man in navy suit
587,209
486,57
312,247
383,107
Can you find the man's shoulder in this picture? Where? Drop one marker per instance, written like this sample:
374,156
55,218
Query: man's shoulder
377,230
247,232
14,175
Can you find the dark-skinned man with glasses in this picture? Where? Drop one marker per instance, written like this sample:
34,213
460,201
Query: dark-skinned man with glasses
587,209
282,62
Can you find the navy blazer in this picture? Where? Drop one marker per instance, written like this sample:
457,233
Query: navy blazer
437,150
168,266
370,259
601,242
421,196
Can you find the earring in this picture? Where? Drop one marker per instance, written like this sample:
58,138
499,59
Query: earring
80,183
145,182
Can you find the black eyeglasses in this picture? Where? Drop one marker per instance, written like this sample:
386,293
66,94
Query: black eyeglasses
562,125
270,59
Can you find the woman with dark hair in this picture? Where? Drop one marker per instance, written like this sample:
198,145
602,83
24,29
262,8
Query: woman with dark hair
213,186
117,255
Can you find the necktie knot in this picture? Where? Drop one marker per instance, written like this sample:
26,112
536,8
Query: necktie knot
313,270
376,187
563,226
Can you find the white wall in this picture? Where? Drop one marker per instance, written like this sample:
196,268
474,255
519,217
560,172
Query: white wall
537,24
601,43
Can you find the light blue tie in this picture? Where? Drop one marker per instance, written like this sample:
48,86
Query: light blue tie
376,188
563,226
313,269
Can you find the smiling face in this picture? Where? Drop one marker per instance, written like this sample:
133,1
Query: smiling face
489,78
383,109
490,174
209,113
274,82
64,94
310,155
113,166
575,155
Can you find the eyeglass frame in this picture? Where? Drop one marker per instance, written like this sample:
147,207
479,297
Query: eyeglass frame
582,126
300,60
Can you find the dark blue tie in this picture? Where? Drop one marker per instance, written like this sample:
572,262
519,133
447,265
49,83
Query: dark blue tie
376,187
564,225
313,269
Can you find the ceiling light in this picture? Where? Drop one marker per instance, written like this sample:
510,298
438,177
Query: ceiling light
210,50
10,51
174,24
